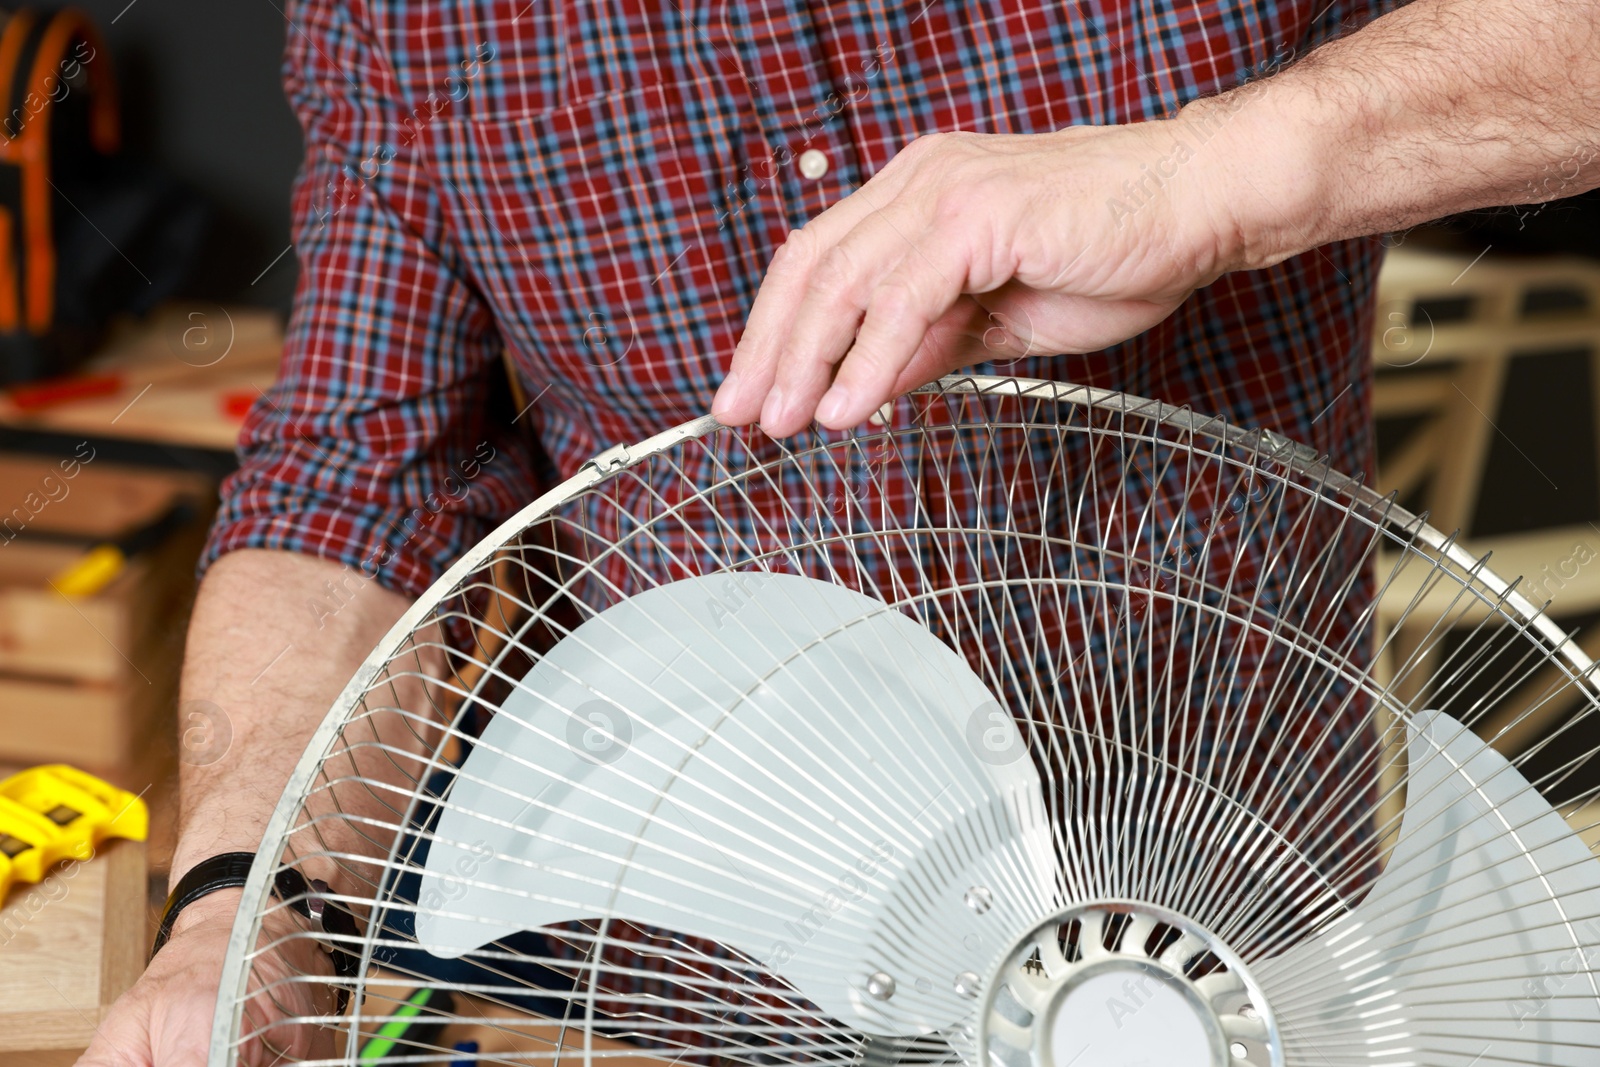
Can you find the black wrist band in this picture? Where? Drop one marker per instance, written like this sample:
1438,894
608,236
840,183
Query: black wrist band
308,899
227,871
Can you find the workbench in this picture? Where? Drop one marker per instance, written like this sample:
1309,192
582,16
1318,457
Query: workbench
69,946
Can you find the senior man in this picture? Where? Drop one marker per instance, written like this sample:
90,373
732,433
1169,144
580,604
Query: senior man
637,204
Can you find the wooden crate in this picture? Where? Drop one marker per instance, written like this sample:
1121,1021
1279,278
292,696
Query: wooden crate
90,681
69,947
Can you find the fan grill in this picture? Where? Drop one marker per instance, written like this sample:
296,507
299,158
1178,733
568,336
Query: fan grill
1179,616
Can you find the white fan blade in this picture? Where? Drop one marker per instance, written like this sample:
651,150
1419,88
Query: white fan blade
777,763
1474,946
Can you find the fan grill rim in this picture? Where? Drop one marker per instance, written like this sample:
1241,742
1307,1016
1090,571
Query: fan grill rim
1384,515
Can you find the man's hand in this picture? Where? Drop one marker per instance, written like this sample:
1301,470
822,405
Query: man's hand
974,247
165,1019
970,248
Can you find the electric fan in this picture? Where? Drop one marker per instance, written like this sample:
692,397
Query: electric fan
1040,727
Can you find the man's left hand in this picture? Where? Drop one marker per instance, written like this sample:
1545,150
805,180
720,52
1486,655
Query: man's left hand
967,248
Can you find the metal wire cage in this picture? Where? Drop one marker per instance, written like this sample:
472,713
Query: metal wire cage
1331,853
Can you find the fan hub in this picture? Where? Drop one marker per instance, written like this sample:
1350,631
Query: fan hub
1124,984
1118,1013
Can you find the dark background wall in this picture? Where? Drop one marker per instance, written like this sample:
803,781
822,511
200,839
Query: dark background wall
202,97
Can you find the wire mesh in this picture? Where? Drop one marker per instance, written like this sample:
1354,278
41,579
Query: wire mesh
1210,645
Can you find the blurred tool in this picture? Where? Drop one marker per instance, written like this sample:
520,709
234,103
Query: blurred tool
410,1027
56,812
52,391
236,403
100,566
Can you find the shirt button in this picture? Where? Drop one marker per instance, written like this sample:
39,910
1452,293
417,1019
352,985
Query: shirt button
813,164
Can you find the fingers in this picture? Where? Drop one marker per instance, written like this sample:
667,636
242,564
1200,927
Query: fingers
744,389
864,310
868,297
967,248
741,397
968,334
917,325
903,307
808,323
808,258
823,324
872,283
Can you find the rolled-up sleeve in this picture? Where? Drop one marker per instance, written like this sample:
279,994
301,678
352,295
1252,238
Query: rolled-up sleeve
375,446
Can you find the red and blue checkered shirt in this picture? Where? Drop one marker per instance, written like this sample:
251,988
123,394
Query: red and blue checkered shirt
594,191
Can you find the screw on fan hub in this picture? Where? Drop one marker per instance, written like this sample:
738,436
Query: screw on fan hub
1120,983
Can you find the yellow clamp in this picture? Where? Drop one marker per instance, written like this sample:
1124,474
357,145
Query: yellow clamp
55,812
97,568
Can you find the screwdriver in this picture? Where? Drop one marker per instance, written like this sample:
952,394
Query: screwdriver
99,567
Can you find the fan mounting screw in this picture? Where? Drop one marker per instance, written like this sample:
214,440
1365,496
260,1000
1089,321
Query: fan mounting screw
880,986
979,899
1248,1011
967,984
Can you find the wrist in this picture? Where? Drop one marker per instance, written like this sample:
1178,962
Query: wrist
217,874
218,907
1272,183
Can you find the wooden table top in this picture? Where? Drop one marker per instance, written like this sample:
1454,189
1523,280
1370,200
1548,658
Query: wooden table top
69,946
179,377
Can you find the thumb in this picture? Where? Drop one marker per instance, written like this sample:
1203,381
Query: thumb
118,1044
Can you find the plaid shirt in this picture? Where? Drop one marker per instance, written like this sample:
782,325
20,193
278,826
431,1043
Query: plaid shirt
595,190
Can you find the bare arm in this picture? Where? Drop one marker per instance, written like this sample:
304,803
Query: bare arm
255,651
275,637
971,247
1439,107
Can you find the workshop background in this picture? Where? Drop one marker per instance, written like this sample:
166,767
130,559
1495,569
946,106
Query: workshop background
114,434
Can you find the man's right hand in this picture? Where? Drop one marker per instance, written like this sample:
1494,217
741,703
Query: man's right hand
165,1019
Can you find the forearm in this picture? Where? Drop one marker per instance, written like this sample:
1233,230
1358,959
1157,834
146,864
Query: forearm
271,645
1439,107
